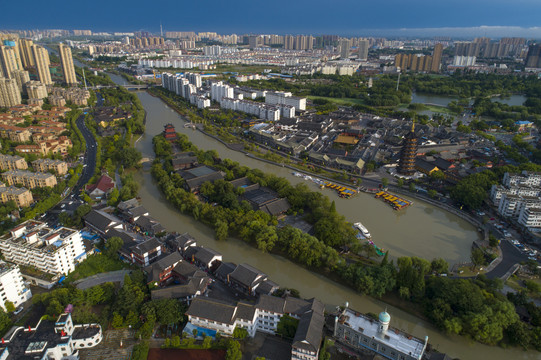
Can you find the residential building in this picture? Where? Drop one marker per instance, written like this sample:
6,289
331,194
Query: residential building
12,162
66,60
530,218
102,222
41,58
364,45
246,278
44,147
25,48
8,60
56,100
50,340
21,77
142,254
59,167
285,98
362,332
12,286
20,195
195,177
436,58
36,90
10,94
29,179
219,90
52,251
101,188
264,316
161,271
525,178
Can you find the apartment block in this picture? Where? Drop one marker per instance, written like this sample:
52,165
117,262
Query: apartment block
12,162
25,48
285,98
10,94
29,179
43,165
52,251
36,90
57,100
21,77
66,60
219,90
53,146
8,60
41,58
15,133
525,178
12,287
21,196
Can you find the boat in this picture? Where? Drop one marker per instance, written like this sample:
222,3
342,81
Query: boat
362,229
298,174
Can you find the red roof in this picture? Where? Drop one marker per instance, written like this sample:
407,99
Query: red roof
105,183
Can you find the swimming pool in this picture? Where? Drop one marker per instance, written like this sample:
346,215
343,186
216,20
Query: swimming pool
201,332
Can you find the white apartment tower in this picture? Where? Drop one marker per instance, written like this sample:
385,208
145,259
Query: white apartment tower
12,287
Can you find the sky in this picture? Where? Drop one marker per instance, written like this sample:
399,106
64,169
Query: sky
341,17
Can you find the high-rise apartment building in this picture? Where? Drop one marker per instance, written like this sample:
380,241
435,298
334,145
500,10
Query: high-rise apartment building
9,93
533,59
289,42
344,46
41,57
364,44
21,77
25,50
66,60
436,58
14,44
8,60
36,90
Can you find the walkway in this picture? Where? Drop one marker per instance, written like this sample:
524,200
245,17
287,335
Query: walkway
112,276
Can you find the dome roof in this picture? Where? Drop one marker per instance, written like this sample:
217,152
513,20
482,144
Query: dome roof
384,317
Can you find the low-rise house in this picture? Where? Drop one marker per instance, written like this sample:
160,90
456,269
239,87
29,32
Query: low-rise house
101,222
101,188
246,278
149,225
207,258
185,292
142,254
181,242
184,160
134,213
223,271
195,177
161,271
128,204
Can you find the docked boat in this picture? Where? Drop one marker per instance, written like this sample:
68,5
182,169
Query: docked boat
362,229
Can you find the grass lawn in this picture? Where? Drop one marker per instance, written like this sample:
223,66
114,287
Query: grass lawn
439,109
467,271
95,264
339,101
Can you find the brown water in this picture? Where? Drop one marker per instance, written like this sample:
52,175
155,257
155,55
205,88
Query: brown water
421,230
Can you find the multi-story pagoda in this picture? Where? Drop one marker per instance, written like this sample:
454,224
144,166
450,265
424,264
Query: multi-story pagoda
406,166
169,133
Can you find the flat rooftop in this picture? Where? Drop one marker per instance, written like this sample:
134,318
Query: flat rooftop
393,338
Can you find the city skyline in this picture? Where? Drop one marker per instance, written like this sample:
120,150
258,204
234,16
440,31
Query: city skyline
345,17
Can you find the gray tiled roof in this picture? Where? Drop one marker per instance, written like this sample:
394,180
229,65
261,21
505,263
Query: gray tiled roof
309,331
271,303
247,275
205,255
213,310
101,220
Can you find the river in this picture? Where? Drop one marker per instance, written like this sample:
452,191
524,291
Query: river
421,230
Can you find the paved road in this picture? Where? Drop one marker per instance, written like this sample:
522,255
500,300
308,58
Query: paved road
72,201
113,276
511,256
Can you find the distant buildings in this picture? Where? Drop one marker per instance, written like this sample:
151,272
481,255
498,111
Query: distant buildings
10,94
533,59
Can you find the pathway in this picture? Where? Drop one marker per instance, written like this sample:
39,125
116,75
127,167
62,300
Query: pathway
112,276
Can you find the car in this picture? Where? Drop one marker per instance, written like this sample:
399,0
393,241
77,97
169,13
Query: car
18,310
480,213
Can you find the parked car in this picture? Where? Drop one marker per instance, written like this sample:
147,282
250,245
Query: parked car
18,310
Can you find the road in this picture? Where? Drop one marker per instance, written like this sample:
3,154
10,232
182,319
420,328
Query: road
73,201
511,256
113,276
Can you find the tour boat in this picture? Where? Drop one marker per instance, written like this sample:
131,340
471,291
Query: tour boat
362,229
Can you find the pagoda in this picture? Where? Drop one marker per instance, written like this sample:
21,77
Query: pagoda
406,165
169,133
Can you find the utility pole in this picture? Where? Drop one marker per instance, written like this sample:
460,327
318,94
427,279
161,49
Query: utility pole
84,78
161,29
398,82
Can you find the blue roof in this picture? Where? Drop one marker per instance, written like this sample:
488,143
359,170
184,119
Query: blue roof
384,316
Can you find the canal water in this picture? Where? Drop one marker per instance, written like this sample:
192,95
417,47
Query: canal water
421,230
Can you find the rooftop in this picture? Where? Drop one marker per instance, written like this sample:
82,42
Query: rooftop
393,338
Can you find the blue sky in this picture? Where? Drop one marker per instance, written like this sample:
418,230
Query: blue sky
344,17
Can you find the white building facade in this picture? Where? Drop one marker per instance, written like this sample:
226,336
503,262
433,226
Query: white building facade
12,286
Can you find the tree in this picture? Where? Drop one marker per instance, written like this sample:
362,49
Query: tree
287,326
207,341
531,285
233,350
168,311
412,186
493,240
112,246
118,321
478,257
10,307
400,182
439,266
240,333
140,351
432,193
384,182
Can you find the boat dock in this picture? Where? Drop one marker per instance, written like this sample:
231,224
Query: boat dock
343,191
396,202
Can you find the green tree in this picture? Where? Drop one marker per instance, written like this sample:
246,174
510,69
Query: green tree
439,266
233,350
412,186
140,351
400,182
384,182
240,333
10,307
478,257
207,342
531,285
112,246
287,326
118,321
